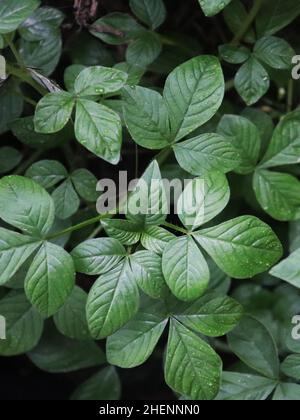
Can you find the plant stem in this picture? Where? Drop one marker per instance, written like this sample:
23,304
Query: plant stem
23,75
79,226
248,22
176,228
15,51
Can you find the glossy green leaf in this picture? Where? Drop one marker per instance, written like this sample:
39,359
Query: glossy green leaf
185,269
99,130
234,54
151,12
287,392
25,205
98,256
128,233
254,345
212,7
70,75
113,301
66,200
14,12
156,238
241,247
47,173
144,50
205,153
193,93
235,15
289,269
50,279
41,24
85,184
275,52
192,367
132,345
291,366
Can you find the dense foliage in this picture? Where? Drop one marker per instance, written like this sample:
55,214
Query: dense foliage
197,90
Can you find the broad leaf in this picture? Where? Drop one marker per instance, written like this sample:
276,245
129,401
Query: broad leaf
192,367
150,12
25,205
47,173
126,232
66,200
205,153
144,50
113,301
85,184
288,269
134,343
185,269
241,247
193,92
275,52
291,366
287,392
156,238
14,12
50,279
234,54
212,7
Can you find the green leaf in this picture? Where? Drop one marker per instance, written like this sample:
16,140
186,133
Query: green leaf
234,54
56,353
15,249
113,301
241,247
275,15
98,256
147,203
132,345
213,7
70,320
275,52
203,199
66,200
151,12
288,269
245,137
156,238
11,104
25,205
235,15
47,173
278,194
53,112
192,367
98,80
244,387
211,315
85,184
287,392
263,122
144,50
103,386
24,325
70,75
41,24
252,81
14,12
146,117
254,345
9,159
50,279
193,93
99,130
284,148
126,232
185,269
291,366
205,153
147,269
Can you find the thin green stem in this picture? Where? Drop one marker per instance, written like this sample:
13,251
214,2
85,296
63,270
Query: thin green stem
15,52
248,22
79,226
175,228
25,77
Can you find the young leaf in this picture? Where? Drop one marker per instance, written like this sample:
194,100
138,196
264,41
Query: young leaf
211,315
99,130
287,392
203,199
291,366
98,256
50,279
24,325
132,345
25,205
192,367
47,173
151,12
278,194
234,54
238,386
103,386
85,184
245,138
53,112
147,269
185,269
193,93
275,52
241,247
98,80
252,81
205,153
146,117
156,238
255,346
15,249
288,269
112,301
66,200
13,13
212,7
